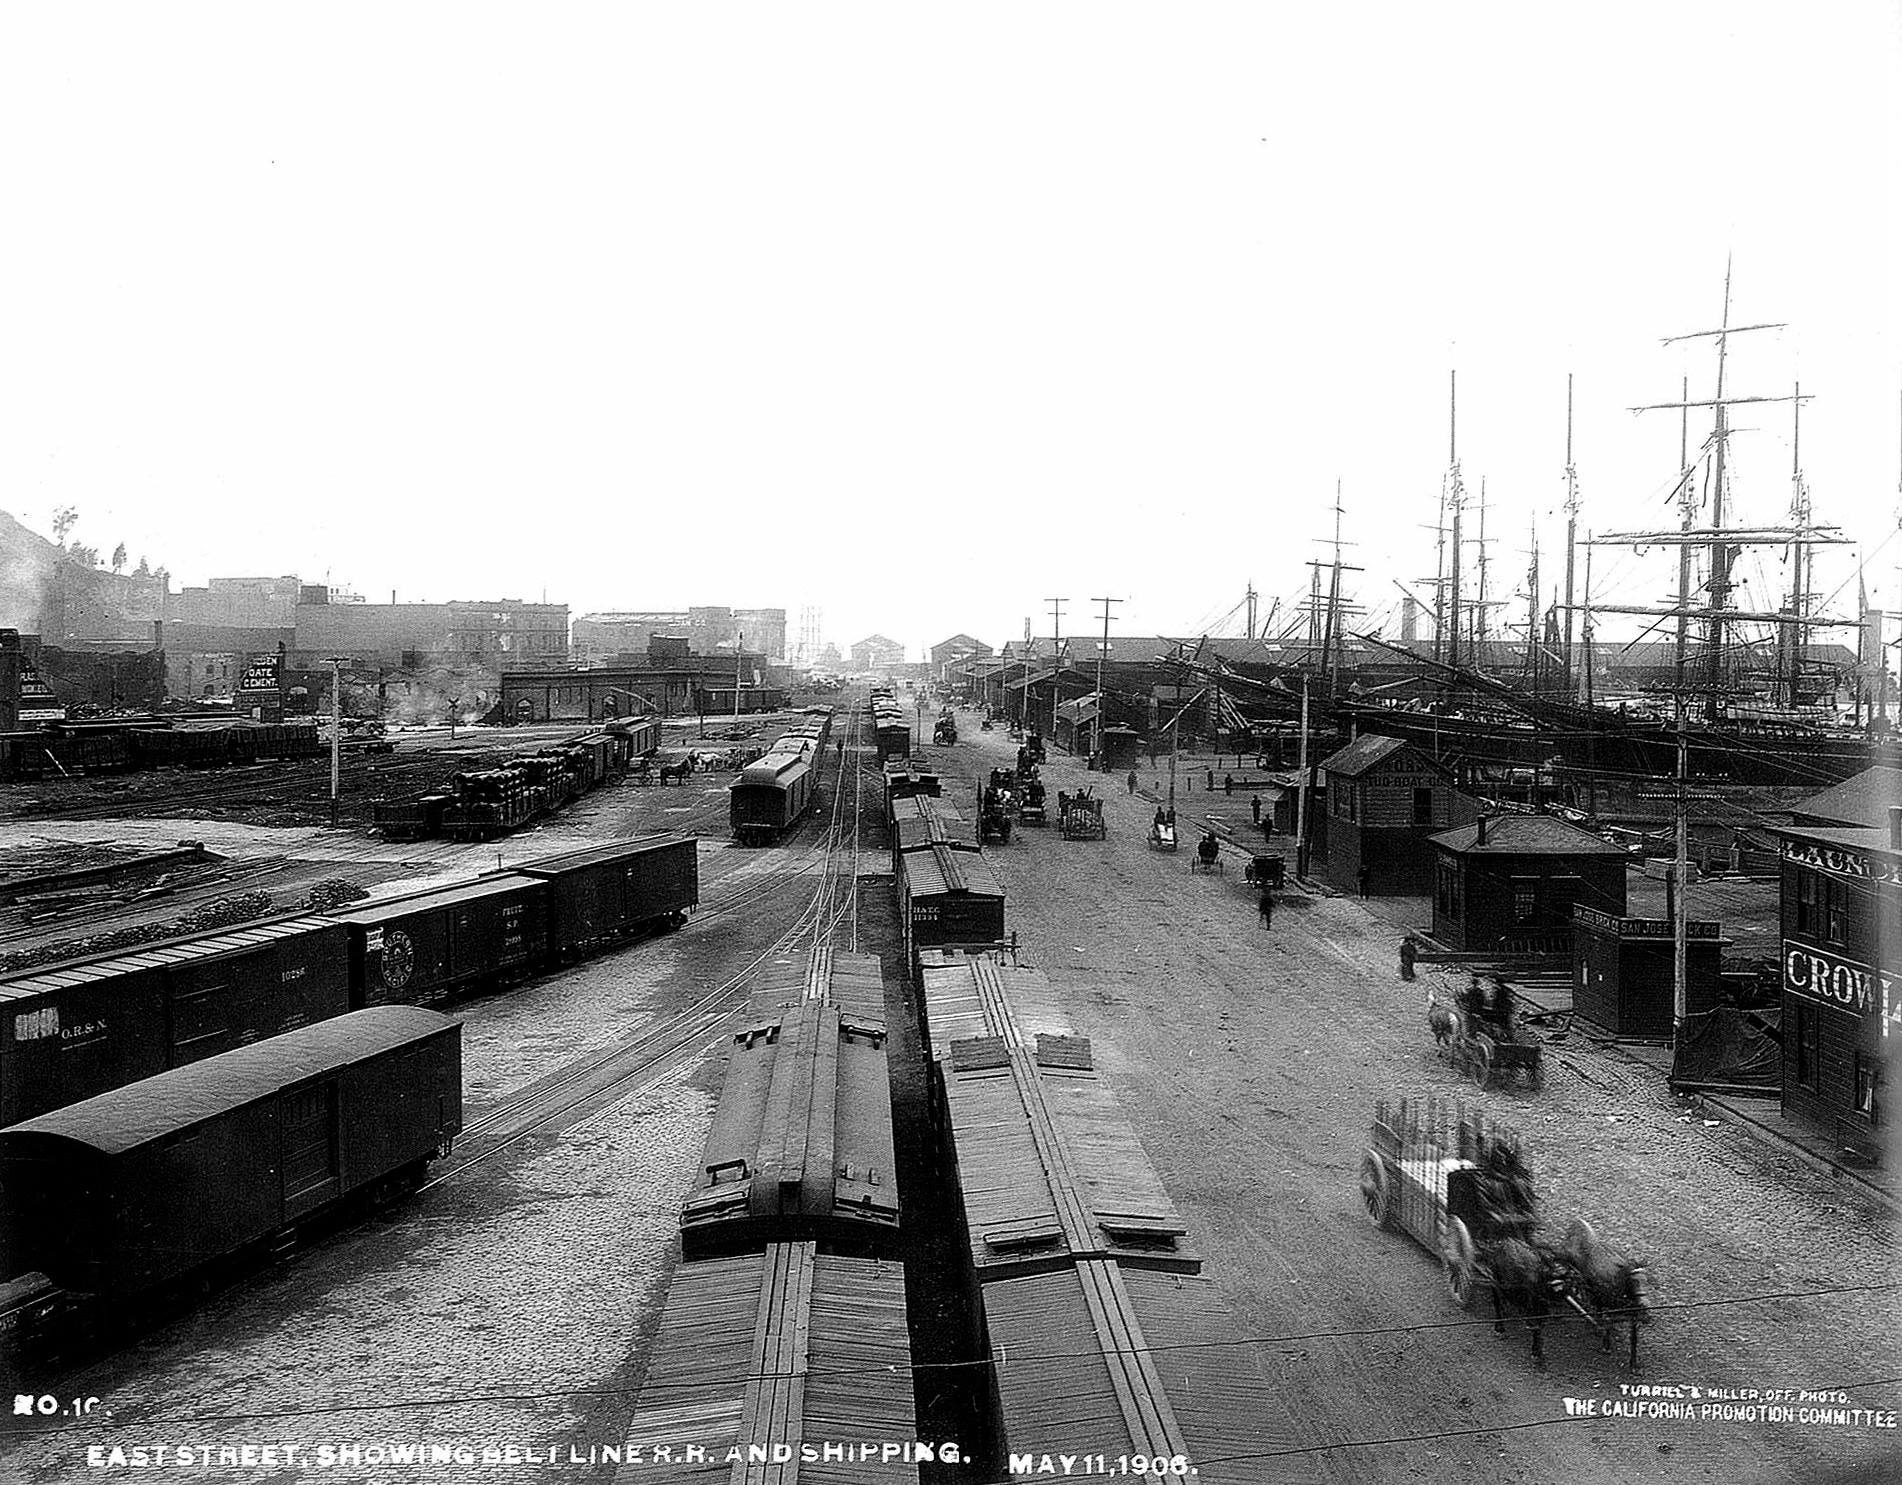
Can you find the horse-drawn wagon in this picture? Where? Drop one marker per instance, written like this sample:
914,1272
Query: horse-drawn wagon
1483,1038
1030,807
1162,834
1462,1189
1080,816
1267,871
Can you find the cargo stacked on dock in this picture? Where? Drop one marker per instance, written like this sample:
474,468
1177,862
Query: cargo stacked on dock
484,803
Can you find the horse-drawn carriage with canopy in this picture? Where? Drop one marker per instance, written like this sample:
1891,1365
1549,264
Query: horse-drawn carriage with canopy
1462,1188
1030,806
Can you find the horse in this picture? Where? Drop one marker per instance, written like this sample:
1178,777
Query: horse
1522,1278
678,770
1618,1287
1442,1018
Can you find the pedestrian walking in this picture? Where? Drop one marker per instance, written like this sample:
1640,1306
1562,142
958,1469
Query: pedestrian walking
1211,781
1131,781
1256,806
1228,783
1409,951
1362,877
1267,908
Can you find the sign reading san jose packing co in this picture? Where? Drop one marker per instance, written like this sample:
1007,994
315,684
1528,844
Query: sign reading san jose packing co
1818,975
1841,862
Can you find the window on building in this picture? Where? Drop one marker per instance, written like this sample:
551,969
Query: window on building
1423,806
1868,1087
1808,921
1447,891
1525,899
1835,909
1807,1050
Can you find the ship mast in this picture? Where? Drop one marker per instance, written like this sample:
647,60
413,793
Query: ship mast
1456,495
1800,557
1571,529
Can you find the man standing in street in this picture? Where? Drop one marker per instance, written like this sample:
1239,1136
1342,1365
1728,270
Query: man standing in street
1267,908
1257,809
1131,781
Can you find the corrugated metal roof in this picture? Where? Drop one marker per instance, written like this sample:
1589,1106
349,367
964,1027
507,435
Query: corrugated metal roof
183,950
141,1112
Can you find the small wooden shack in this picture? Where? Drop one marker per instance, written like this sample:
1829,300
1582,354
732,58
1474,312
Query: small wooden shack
1385,803
1622,971
1511,882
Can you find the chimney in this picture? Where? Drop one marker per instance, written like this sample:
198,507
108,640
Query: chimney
1895,827
1479,837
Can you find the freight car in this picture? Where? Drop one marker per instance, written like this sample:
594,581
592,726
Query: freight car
984,994
925,821
609,891
765,1351
120,1194
772,795
1100,1358
948,897
1049,1169
419,949
907,778
73,1030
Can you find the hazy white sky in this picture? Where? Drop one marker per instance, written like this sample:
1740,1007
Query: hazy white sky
923,314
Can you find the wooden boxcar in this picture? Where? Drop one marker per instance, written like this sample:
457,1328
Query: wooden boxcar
768,1351
855,983
801,1144
926,821
122,1192
607,891
418,949
907,778
965,995
70,1031
771,796
1049,1170
948,897
1104,1359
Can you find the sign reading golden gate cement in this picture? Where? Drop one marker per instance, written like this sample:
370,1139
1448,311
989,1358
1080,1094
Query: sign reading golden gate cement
1818,975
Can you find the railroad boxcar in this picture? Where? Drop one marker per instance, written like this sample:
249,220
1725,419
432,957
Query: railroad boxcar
948,897
121,1193
907,778
606,891
770,796
855,983
984,993
1048,1167
417,949
1105,1359
767,1351
70,1031
641,735
801,1144
924,821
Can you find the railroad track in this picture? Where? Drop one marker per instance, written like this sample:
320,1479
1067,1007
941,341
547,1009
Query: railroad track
624,1068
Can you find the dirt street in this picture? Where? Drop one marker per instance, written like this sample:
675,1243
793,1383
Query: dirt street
1250,1059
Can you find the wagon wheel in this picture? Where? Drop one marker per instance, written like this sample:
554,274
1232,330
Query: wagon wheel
1460,1260
1376,1189
1480,1060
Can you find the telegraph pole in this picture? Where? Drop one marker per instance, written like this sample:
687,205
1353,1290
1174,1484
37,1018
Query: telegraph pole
1102,710
336,735
1056,659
